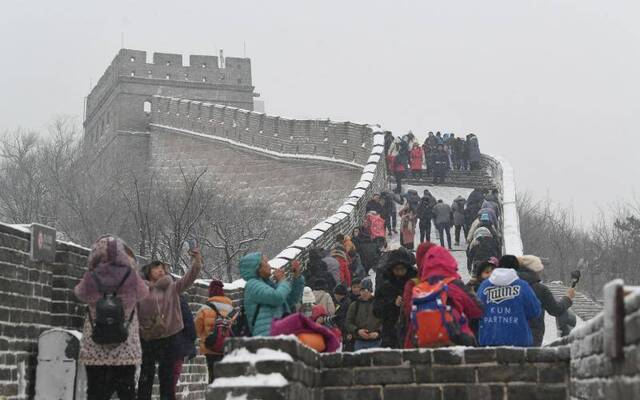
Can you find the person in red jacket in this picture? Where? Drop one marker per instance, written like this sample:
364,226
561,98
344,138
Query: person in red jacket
415,156
434,264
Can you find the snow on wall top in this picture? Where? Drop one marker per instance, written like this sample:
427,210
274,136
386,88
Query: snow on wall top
504,177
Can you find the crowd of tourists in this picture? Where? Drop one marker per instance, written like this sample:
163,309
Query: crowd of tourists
357,293
438,155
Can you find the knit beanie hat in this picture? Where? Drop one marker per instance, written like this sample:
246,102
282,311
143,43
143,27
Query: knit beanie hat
532,263
216,288
509,261
366,284
307,296
340,289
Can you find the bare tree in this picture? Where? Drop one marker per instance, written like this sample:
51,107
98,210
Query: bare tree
180,209
609,249
230,229
22,190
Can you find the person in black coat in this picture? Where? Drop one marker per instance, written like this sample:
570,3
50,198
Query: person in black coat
413,198
425,214
529,271
317,268
342,302
441,165
474,204
368,249
375,204
387,304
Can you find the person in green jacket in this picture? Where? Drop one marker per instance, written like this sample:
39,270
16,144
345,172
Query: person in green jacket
361,323
265,300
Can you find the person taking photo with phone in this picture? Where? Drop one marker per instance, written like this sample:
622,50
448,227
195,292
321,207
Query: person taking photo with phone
266,299
530,269
160,320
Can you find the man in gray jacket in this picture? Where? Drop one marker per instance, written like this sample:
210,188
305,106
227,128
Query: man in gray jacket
442,218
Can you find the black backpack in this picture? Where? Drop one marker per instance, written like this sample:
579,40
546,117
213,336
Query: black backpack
110,326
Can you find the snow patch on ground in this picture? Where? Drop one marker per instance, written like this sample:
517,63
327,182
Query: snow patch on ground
232,397
263,380
447,194
244,355
550,329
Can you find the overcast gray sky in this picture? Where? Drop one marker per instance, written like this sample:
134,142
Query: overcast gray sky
553,86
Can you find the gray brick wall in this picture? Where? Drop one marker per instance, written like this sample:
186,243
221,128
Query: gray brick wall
595,375
458,373
35,297
354,146
116,102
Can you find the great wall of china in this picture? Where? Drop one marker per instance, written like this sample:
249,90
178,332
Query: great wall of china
195,111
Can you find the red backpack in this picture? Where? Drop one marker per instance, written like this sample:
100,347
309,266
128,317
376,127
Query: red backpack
221,330
375,224
433,321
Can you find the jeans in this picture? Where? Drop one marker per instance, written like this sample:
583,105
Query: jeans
425,230
366,344
158,351
211,360
444,228
104,380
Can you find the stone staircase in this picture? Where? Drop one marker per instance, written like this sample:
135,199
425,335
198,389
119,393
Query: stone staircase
467,179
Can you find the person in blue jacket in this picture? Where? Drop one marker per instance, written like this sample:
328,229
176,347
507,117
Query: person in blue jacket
509,303
265,300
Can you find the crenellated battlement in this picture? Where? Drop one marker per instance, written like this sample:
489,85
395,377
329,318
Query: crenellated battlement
133,80
344,142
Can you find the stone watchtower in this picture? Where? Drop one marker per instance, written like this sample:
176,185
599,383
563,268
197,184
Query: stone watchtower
121,101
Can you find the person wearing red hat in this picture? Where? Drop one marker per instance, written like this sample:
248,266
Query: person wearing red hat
434,264
217,304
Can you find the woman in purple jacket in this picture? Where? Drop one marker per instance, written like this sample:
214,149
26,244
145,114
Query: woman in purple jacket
111,367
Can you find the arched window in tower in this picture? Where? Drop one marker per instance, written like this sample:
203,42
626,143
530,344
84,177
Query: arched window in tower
146,107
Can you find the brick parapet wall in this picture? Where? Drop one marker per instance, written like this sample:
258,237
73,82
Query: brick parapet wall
336,141
503,176
447,373
594,374
202,71
36,296
347,143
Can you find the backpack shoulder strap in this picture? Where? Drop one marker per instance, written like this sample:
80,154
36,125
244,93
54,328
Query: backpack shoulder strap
255,316
101,287
448,280
214,308
98,282
124,279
